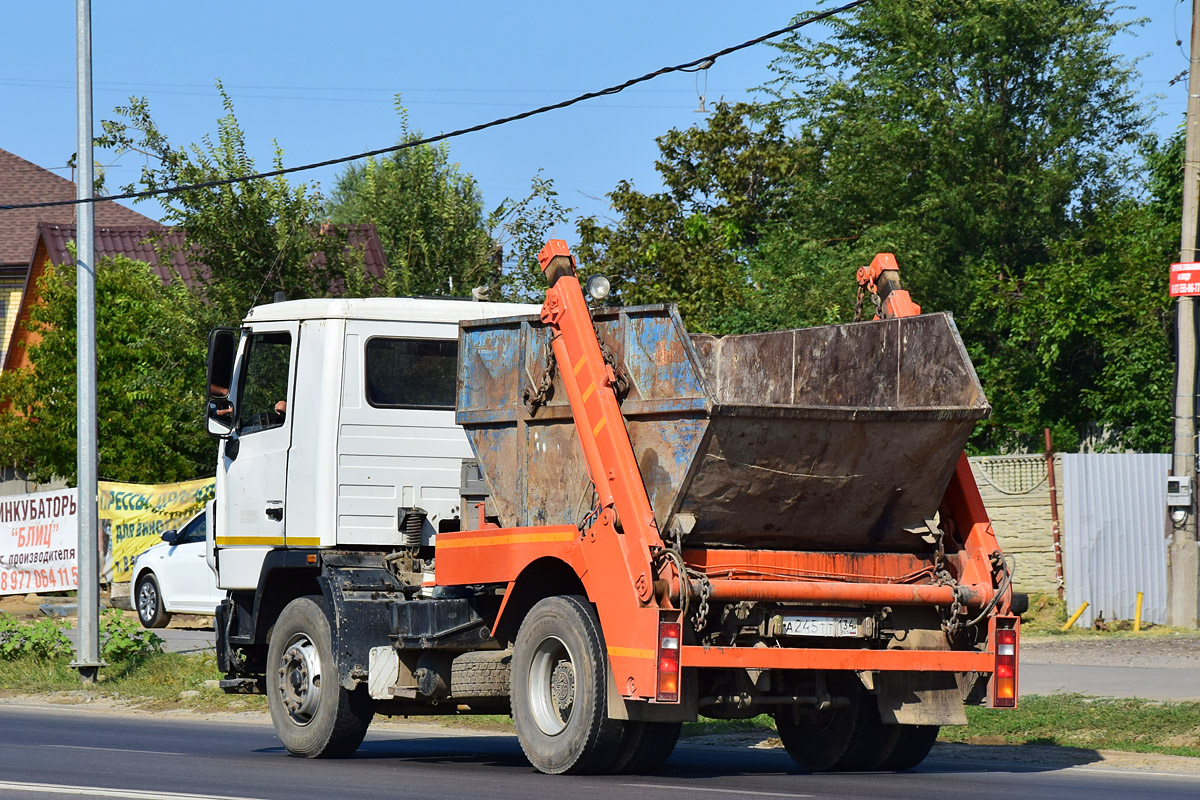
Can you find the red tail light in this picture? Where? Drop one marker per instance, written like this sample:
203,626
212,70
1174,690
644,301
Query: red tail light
1004,681
668,662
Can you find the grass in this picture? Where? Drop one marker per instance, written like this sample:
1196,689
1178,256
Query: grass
1138,726
1047,614
156,682
173,680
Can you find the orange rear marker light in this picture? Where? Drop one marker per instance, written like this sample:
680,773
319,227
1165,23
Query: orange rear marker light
668,662
1004,681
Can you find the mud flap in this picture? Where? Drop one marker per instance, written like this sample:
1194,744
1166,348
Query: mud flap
919,698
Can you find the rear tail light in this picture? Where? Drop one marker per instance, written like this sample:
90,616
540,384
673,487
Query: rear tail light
668,662
1004,681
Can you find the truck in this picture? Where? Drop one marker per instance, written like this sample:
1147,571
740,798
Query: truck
586,517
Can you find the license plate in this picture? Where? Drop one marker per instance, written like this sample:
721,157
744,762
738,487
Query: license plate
797,625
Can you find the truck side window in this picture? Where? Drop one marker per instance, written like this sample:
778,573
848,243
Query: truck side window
263,393
411,373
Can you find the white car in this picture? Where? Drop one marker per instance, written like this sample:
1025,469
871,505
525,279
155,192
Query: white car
174,578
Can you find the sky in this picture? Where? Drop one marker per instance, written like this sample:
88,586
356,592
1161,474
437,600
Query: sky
321,79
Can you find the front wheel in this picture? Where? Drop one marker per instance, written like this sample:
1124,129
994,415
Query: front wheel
560,689
314,716
150,610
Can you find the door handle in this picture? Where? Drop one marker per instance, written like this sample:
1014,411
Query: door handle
275,513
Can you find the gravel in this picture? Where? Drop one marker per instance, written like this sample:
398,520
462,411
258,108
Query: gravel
1171,651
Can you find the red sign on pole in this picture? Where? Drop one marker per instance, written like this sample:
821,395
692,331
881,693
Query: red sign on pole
1185,279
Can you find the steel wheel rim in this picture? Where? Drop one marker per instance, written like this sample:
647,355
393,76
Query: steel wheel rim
147,601
300,679
552,686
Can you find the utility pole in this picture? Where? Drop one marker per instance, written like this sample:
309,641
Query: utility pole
87,655
1183,555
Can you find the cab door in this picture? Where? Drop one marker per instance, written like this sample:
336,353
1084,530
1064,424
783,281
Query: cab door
253,465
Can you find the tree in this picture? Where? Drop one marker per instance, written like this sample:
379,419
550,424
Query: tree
988,144
150,354
967,134
431,222
1089,333
723,183
253,237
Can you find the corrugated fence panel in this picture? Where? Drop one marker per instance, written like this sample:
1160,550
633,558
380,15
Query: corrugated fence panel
1114,541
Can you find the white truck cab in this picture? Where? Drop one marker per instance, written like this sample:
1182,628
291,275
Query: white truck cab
336,419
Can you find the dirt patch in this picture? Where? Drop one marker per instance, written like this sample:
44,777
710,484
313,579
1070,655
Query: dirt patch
24,606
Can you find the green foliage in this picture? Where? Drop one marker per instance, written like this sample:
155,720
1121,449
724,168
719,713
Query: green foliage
685,244
991,146
123,640
430,218
40,639
254,237
150,352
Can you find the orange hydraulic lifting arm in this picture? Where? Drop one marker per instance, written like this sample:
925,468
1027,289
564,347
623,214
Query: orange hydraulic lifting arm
623,504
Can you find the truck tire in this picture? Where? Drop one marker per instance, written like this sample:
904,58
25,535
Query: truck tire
912,744
313,715
645,747
560,689
148,598
844,739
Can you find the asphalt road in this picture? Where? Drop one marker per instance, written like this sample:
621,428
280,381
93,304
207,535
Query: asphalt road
55,754
1038,674
1148,683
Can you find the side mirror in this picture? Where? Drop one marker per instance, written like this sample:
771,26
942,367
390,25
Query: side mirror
220,413
170,537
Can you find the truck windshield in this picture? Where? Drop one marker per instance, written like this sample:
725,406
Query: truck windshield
411,373
263,395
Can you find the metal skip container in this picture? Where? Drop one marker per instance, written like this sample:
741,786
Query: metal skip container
834,438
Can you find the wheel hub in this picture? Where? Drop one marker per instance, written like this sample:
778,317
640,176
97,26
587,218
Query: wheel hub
562,685
147,600
551,686
300,680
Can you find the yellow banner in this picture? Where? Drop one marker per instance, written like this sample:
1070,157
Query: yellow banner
135,515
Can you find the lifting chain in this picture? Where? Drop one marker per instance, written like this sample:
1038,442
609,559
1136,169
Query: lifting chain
701,617
875,301
538,394
954,620
539,391
621,382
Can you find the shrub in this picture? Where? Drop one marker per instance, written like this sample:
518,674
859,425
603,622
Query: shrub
43,638
122,639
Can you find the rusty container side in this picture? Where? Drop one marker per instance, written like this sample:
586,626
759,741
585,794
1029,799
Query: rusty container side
532,462
831,438
840,436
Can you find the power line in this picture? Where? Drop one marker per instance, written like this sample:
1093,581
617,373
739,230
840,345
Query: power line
690,66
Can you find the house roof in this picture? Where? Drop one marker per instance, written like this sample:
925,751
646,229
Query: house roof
24,182
138,242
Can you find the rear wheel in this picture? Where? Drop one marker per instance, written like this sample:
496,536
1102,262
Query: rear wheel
149,603
911,744
560,689
646,747
314,716
843,739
